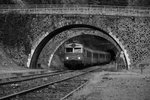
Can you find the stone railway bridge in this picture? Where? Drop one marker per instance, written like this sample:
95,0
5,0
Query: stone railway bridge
126,27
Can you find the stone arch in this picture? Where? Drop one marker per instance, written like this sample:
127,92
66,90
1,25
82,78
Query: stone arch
32,60
64,36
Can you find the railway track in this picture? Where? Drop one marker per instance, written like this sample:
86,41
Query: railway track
29,77
75,90
19,84
49,86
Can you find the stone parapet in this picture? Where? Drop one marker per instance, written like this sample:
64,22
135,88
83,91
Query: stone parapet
76,9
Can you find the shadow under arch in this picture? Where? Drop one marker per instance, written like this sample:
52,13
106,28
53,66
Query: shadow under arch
41,45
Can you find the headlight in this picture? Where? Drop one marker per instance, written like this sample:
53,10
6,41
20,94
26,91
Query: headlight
67,58
79,57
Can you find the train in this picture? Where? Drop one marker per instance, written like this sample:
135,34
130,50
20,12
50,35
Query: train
77,56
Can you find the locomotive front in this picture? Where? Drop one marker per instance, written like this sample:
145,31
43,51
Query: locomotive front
73,58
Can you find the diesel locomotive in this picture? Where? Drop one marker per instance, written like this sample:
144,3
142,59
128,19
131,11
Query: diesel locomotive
77,56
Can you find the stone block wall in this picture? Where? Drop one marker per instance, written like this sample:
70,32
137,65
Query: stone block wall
134,33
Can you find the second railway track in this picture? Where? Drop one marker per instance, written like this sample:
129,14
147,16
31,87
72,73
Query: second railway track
8,88
30,77
28,90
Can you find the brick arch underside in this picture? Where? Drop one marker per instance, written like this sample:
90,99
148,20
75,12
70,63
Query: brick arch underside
32,61
58,40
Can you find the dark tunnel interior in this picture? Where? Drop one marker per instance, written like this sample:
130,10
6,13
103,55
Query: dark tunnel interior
93,42
39,48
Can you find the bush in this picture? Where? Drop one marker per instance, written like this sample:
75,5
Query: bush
14,31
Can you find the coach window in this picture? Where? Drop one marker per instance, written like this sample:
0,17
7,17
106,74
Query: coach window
95,55
69,50
100,55
88,54
77,50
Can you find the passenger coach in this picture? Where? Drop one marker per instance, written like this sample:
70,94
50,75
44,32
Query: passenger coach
77,56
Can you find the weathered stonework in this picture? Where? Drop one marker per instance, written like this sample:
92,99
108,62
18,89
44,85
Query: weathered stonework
51,47
63,20
134,34
131,32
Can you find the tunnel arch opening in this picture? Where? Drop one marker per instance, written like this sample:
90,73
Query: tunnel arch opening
113,54
91,41
34,58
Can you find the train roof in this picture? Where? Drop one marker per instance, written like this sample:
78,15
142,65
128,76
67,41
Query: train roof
73,45
96,51
81,45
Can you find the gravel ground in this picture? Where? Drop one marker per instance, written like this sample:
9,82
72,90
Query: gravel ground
19,86
127,85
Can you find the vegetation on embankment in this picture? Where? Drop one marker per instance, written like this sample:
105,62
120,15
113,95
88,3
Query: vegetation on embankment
87,2
16,39
15,36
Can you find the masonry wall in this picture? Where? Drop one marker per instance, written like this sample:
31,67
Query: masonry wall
133,32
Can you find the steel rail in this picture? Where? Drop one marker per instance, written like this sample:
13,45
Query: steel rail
70,93
44,85
30,75
33,77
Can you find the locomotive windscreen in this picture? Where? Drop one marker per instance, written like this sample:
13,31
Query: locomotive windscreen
73,48
69,49
77,50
